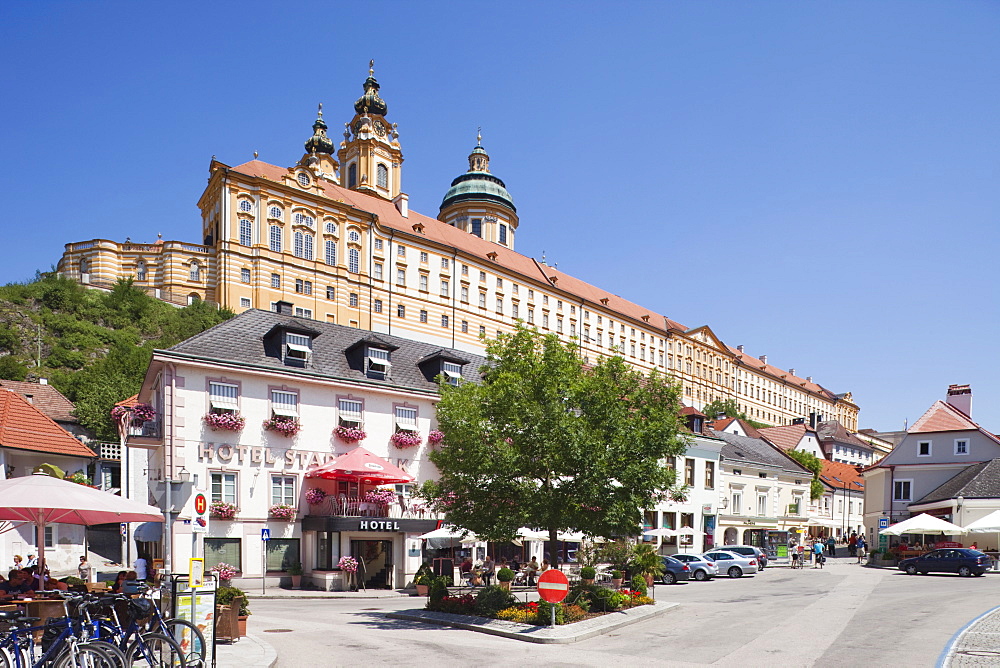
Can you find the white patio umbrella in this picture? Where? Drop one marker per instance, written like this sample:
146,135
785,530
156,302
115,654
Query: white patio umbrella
660,532
923,523
41,499
524,533
987,524
448,531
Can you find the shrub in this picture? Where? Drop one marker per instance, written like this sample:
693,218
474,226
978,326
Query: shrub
72,580
458,605
617,575
545,613
424,575
492,600
225,596
437,593
573,613
588,573
639,584
505,575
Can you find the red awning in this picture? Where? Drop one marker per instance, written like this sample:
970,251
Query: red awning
360,465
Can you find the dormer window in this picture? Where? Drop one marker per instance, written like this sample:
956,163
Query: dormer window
377,364
452,372
284,404
298,348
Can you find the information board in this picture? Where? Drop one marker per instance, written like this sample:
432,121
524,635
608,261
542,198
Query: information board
197,607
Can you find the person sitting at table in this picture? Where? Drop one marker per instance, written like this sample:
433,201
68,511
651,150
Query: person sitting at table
36,580
16,584
116,588
489,570
532,569
545,565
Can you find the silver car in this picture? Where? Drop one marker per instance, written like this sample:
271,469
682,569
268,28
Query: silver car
732,564
702,568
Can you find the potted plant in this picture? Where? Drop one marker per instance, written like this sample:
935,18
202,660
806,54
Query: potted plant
295,571
405,439
616,578
225,572
504,577
282,511
350,566
349,434
423,580
221,510
588,574
646,562
225,421
435,436
315,496
283,424
227,595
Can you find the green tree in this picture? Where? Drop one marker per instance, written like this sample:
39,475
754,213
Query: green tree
545,441
813,463
730,409
11,369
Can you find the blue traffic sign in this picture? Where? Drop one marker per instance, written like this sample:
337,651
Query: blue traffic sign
883,523
265,534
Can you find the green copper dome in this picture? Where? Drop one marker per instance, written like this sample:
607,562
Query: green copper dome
478,184
319,142
370,102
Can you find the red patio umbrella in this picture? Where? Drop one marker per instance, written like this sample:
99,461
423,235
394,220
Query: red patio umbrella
360,465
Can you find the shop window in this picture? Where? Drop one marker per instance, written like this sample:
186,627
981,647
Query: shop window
223,551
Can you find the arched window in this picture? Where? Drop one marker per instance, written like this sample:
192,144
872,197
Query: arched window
275,239
354,260
246,232
331,228
331,252
274,212
195,270
140,271
308,247
352,175
246,205
354,236
298,249
382,176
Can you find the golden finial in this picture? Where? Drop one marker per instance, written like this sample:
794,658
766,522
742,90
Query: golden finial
255,155
371,67
479,136
320,112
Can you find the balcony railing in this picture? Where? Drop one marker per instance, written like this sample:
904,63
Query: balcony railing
150,429
352,506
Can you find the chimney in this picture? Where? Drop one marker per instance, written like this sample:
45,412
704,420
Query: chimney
809,379
812,420
791,372
284,308
30,398
402,202
43,381
763,358
960,397
740,347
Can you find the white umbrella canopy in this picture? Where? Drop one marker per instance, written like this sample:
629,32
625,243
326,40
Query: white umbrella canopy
660,532
448,532
524,533
42,499
923,523
988,524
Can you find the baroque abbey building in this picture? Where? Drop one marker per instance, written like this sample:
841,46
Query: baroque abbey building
332,238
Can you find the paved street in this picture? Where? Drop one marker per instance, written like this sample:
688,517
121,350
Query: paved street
843,615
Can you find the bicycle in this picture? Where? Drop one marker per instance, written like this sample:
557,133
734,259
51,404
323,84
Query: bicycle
61,647
187,635
140,647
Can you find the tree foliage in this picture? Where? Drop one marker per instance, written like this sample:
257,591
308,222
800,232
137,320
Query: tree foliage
93,346
548,442
730,409
813,463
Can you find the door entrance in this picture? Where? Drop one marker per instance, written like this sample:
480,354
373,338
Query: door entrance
375,563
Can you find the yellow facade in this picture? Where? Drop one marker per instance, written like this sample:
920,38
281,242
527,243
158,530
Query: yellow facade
357,256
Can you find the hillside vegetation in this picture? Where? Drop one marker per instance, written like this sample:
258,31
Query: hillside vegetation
93,346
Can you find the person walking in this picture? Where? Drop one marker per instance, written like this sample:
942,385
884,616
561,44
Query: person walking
84,568
818,553
831,546
852,544
861,548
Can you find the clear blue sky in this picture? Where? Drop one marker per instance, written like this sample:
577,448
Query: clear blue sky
816,181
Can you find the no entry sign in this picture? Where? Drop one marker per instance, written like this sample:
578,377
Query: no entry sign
553,586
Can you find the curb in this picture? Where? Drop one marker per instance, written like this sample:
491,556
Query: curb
270,654
321,596
543,635
949,650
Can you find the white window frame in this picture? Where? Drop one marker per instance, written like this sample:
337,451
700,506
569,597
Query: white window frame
353,260
966,442
285,403
246,232
452,372
930,448
898,481
226,479
405,418
297,347
330,253
377,360
350,413
762,501
283,488
223,396
737,503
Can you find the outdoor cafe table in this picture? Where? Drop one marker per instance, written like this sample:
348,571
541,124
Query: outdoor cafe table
45,609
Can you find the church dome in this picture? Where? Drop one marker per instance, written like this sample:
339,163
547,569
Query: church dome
478,184
370,102
319,142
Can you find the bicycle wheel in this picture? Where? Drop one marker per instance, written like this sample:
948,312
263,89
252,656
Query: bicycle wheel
155,650
116,657
191,640
84,656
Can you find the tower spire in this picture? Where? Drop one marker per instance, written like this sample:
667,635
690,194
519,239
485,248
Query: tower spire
319,142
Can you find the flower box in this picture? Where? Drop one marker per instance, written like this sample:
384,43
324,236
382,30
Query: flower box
380,496
225,421
221,510
284,512
435,436
286,426
315,496
350,434
406,439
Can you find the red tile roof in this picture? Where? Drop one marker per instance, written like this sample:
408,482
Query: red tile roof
786,437
24,427
46,398
942,416
849,476
130,402
721,425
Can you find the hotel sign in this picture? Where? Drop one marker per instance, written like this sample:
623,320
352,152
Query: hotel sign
378,525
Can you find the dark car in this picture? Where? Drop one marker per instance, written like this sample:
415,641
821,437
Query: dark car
959,560
674,571
751,551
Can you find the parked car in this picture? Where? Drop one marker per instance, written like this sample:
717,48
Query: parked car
749,551
674,571
702,568
960,560
733,564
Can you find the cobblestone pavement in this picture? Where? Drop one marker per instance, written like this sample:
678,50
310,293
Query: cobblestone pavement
978,644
